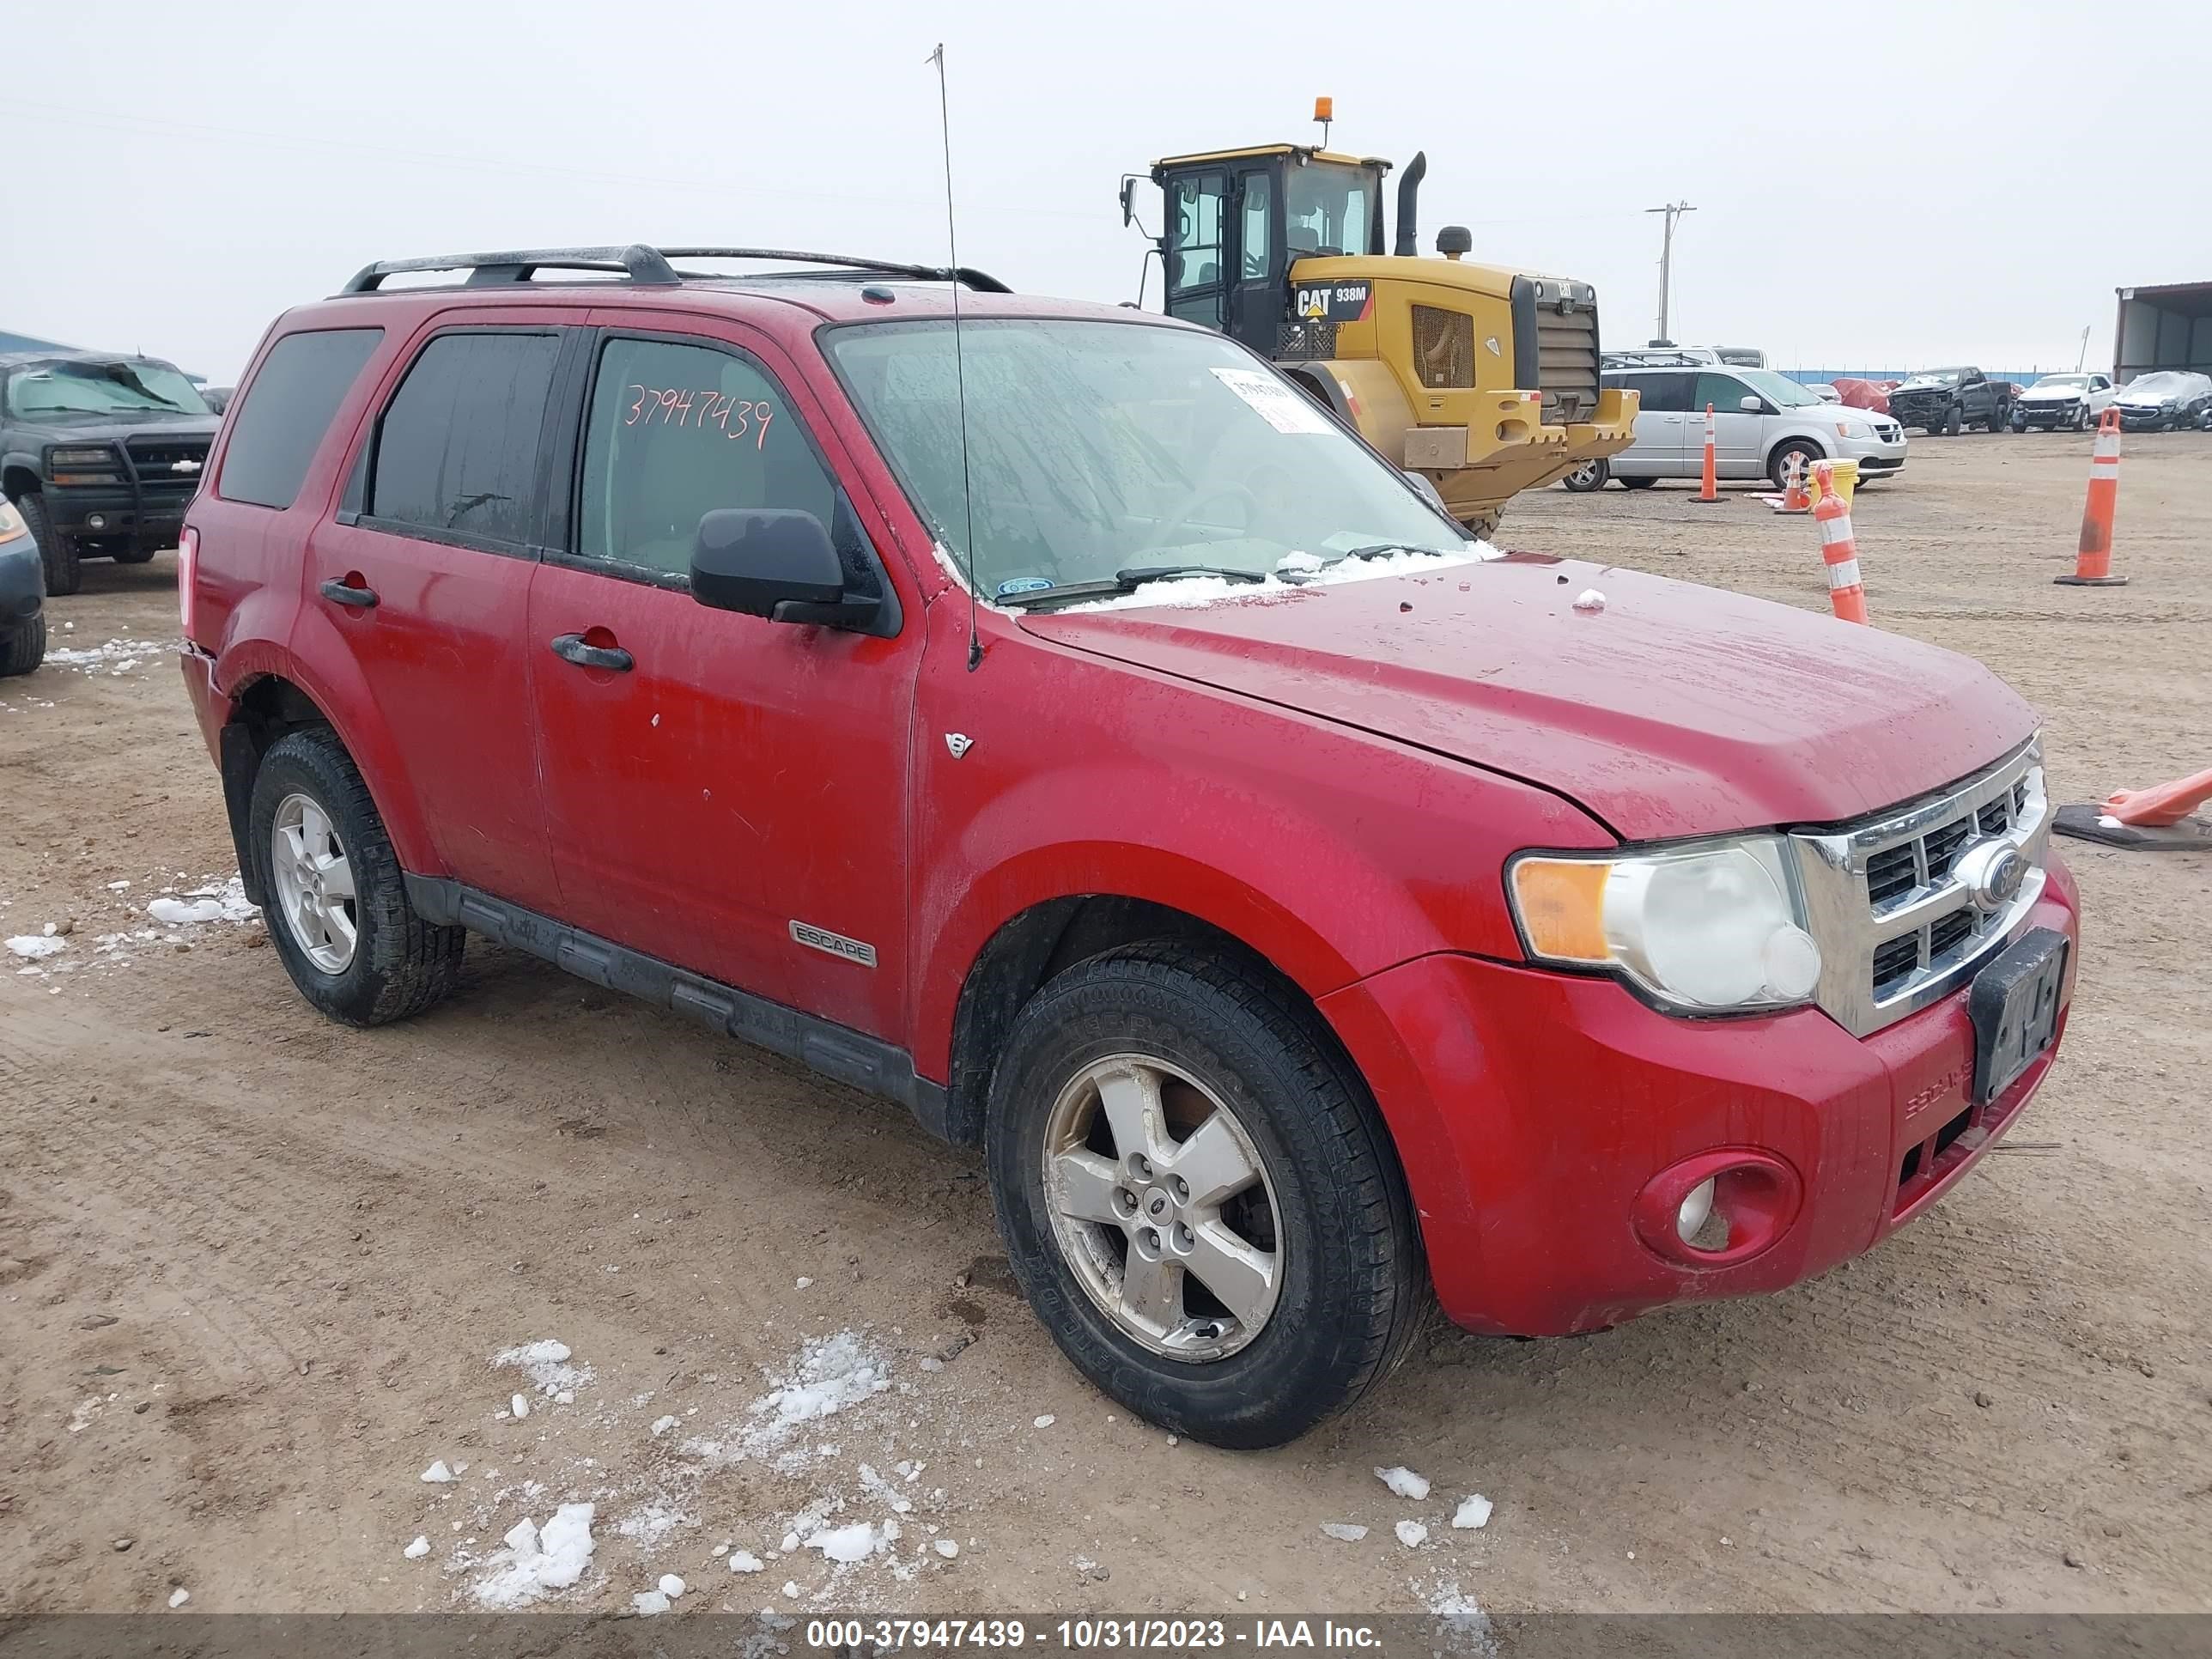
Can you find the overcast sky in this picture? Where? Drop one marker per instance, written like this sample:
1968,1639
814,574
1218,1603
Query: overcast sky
1877,185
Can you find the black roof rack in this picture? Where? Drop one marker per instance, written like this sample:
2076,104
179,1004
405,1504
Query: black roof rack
645,266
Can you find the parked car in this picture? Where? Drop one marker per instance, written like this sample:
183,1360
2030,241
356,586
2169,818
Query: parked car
1660,357
1825,391
1408,927
217,398
99,454
2164,400
2062,401
1760,419
1947,399
22,589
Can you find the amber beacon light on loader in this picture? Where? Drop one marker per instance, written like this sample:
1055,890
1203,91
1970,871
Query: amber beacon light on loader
1483,380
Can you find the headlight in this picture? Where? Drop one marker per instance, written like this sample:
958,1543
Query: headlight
101,456
11,521
1717,927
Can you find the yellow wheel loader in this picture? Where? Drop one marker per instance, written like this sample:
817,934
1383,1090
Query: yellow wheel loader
1484,380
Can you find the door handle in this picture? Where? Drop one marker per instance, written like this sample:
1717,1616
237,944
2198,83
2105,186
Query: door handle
570,647
338,592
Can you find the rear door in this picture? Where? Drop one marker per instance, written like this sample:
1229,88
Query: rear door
1738,434
1659,450
734,798
423,579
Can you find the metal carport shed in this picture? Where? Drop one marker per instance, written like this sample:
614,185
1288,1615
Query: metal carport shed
2165,327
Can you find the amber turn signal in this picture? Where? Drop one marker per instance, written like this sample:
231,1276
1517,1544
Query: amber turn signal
1561,902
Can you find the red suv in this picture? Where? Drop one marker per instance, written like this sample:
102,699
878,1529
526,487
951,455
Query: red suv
1040,714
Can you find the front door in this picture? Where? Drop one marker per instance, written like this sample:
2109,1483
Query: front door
1739,450
422,578
1198,247
1257,296
722,792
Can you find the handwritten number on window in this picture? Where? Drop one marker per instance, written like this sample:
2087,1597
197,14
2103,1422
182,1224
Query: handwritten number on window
680,406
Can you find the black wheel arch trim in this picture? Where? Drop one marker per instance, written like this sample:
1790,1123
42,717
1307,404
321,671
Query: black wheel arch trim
837,1051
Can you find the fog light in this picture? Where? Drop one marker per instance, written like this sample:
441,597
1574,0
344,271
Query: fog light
96,521
1696,1209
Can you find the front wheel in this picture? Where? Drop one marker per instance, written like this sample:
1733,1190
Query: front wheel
1954,422
58,550
338,911
24,648
1586,476
1777,465
1199,1198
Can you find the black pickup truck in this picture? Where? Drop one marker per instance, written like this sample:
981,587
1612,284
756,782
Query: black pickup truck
99,453
1947,399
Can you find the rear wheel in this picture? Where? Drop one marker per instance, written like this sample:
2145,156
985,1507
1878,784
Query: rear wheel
1199,1198
24,648
1586,476
134,555
57,552
339,915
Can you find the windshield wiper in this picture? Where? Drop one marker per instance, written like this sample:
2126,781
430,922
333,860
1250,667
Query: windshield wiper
1384,550
1136,575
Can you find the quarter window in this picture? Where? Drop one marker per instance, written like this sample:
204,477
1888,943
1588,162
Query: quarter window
677,431
286,410
458,450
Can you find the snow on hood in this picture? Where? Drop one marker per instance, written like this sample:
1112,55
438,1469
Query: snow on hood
1187,592
2042,392
1923,383
2169,386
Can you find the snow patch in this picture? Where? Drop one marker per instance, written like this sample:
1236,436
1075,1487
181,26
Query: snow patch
437,1474
535,1562
1473,1511
1404,1482
419,1548
946,1548
745,1561
1412,1534
1189,592
847,1544
1343,1531
833,1374
36,947
179,1596
226,902
546,1364
116,657
1590,599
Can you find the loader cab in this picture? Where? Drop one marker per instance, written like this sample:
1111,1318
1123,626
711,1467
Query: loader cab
1237,220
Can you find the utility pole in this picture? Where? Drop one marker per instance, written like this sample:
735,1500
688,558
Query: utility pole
2082,355
1673,211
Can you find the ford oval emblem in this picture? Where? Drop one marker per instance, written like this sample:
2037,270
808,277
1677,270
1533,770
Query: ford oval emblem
1992,873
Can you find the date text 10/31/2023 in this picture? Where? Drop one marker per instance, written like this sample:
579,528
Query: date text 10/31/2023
677,405
1088,1634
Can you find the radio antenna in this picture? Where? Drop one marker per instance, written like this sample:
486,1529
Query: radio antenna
959,363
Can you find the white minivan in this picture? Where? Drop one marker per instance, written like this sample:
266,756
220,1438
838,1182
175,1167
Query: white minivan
1760,419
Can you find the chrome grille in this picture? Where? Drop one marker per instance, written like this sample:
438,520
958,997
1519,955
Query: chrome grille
1898,928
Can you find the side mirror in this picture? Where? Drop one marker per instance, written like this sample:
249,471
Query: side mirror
773,563
1129,200
1752,405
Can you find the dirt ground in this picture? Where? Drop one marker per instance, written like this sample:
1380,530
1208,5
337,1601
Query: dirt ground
254,1268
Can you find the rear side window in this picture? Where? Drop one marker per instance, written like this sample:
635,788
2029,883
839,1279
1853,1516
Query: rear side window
278,427
457,451
1665,392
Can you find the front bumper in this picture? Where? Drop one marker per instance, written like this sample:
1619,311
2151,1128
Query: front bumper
1531,1109
146,517
2037,416
2149,420
22,581
1875,459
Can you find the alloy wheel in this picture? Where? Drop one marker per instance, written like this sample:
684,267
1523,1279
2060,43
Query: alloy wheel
1163,1208
314,884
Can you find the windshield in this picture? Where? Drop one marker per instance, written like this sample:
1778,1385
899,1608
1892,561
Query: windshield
131,387
1329,210
1096,448
2167,383
1777,389
2061,382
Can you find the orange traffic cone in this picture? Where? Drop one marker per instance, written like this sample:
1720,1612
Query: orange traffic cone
1846,594
1709,490
1795,496
2093,562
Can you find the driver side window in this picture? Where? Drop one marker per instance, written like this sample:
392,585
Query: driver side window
1196,251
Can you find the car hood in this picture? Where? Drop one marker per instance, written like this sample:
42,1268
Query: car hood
1675,710
1907,387
2053,394
101,428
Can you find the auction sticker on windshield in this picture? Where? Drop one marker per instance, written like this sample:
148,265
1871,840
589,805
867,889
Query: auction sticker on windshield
1283,409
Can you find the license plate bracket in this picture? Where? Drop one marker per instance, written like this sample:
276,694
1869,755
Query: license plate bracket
2014,1005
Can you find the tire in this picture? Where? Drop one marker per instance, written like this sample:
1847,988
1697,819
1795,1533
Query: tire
1346,1286
24,648
134,555
396,964
1588,475
1635,484
1954,422
1778,464
57,552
